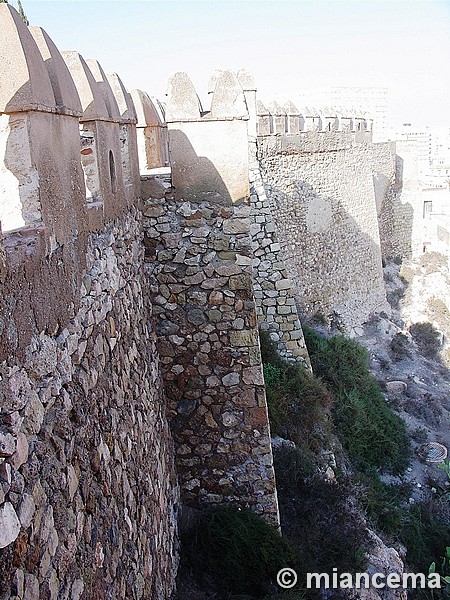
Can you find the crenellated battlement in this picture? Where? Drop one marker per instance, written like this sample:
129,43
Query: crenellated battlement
289,120
208,150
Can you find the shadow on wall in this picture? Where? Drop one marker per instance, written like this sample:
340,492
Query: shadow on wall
194,177
197,178
335,267
402,216
395,217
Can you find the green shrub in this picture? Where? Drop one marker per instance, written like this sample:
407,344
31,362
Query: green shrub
339,361
320,319
235,551
427,338
272,374
317,518
269,354
373,435
400,346
425,536
382,501
298,403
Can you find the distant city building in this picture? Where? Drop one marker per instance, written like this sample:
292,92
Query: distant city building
431,149
420,138
440,156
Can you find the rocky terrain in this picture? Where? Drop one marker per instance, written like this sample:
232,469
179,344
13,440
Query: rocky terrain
417,386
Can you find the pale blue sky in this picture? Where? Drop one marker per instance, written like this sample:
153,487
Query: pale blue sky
288,45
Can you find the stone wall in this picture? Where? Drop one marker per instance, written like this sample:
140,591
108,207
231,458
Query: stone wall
324,204
114,323
402,213
87,483
199,266
88,488
199,257
273,289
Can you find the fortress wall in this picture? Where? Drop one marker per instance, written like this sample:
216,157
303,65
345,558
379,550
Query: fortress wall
151,130
89,493
199,262
324,207
199,266
273,289
88,490
402,213
101,346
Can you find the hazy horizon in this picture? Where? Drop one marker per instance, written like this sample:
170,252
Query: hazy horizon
288,46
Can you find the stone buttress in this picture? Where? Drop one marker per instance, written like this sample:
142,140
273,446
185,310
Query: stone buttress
199,263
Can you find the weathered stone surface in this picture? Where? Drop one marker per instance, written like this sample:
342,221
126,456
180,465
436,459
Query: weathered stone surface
396,387
241,282
322,197
283,284
9,524
231,379
83,406
231,226
274,291
243,338
210,354
26,510
21,454
7,444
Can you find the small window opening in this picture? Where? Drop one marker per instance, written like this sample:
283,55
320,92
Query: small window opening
112,172
427,208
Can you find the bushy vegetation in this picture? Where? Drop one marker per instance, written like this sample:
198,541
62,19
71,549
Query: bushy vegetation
376,440
421,527
298,403
401,346
427,338
235,555
373,435
318,517
234,551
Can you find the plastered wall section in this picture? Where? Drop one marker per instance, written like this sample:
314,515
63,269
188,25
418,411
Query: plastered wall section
209,159
323,203
199,259
84,513
88,492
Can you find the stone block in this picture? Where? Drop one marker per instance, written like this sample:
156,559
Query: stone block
253,375
234,226
241,282
231,379
244,338
396,387
283,284
9,525
8,444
